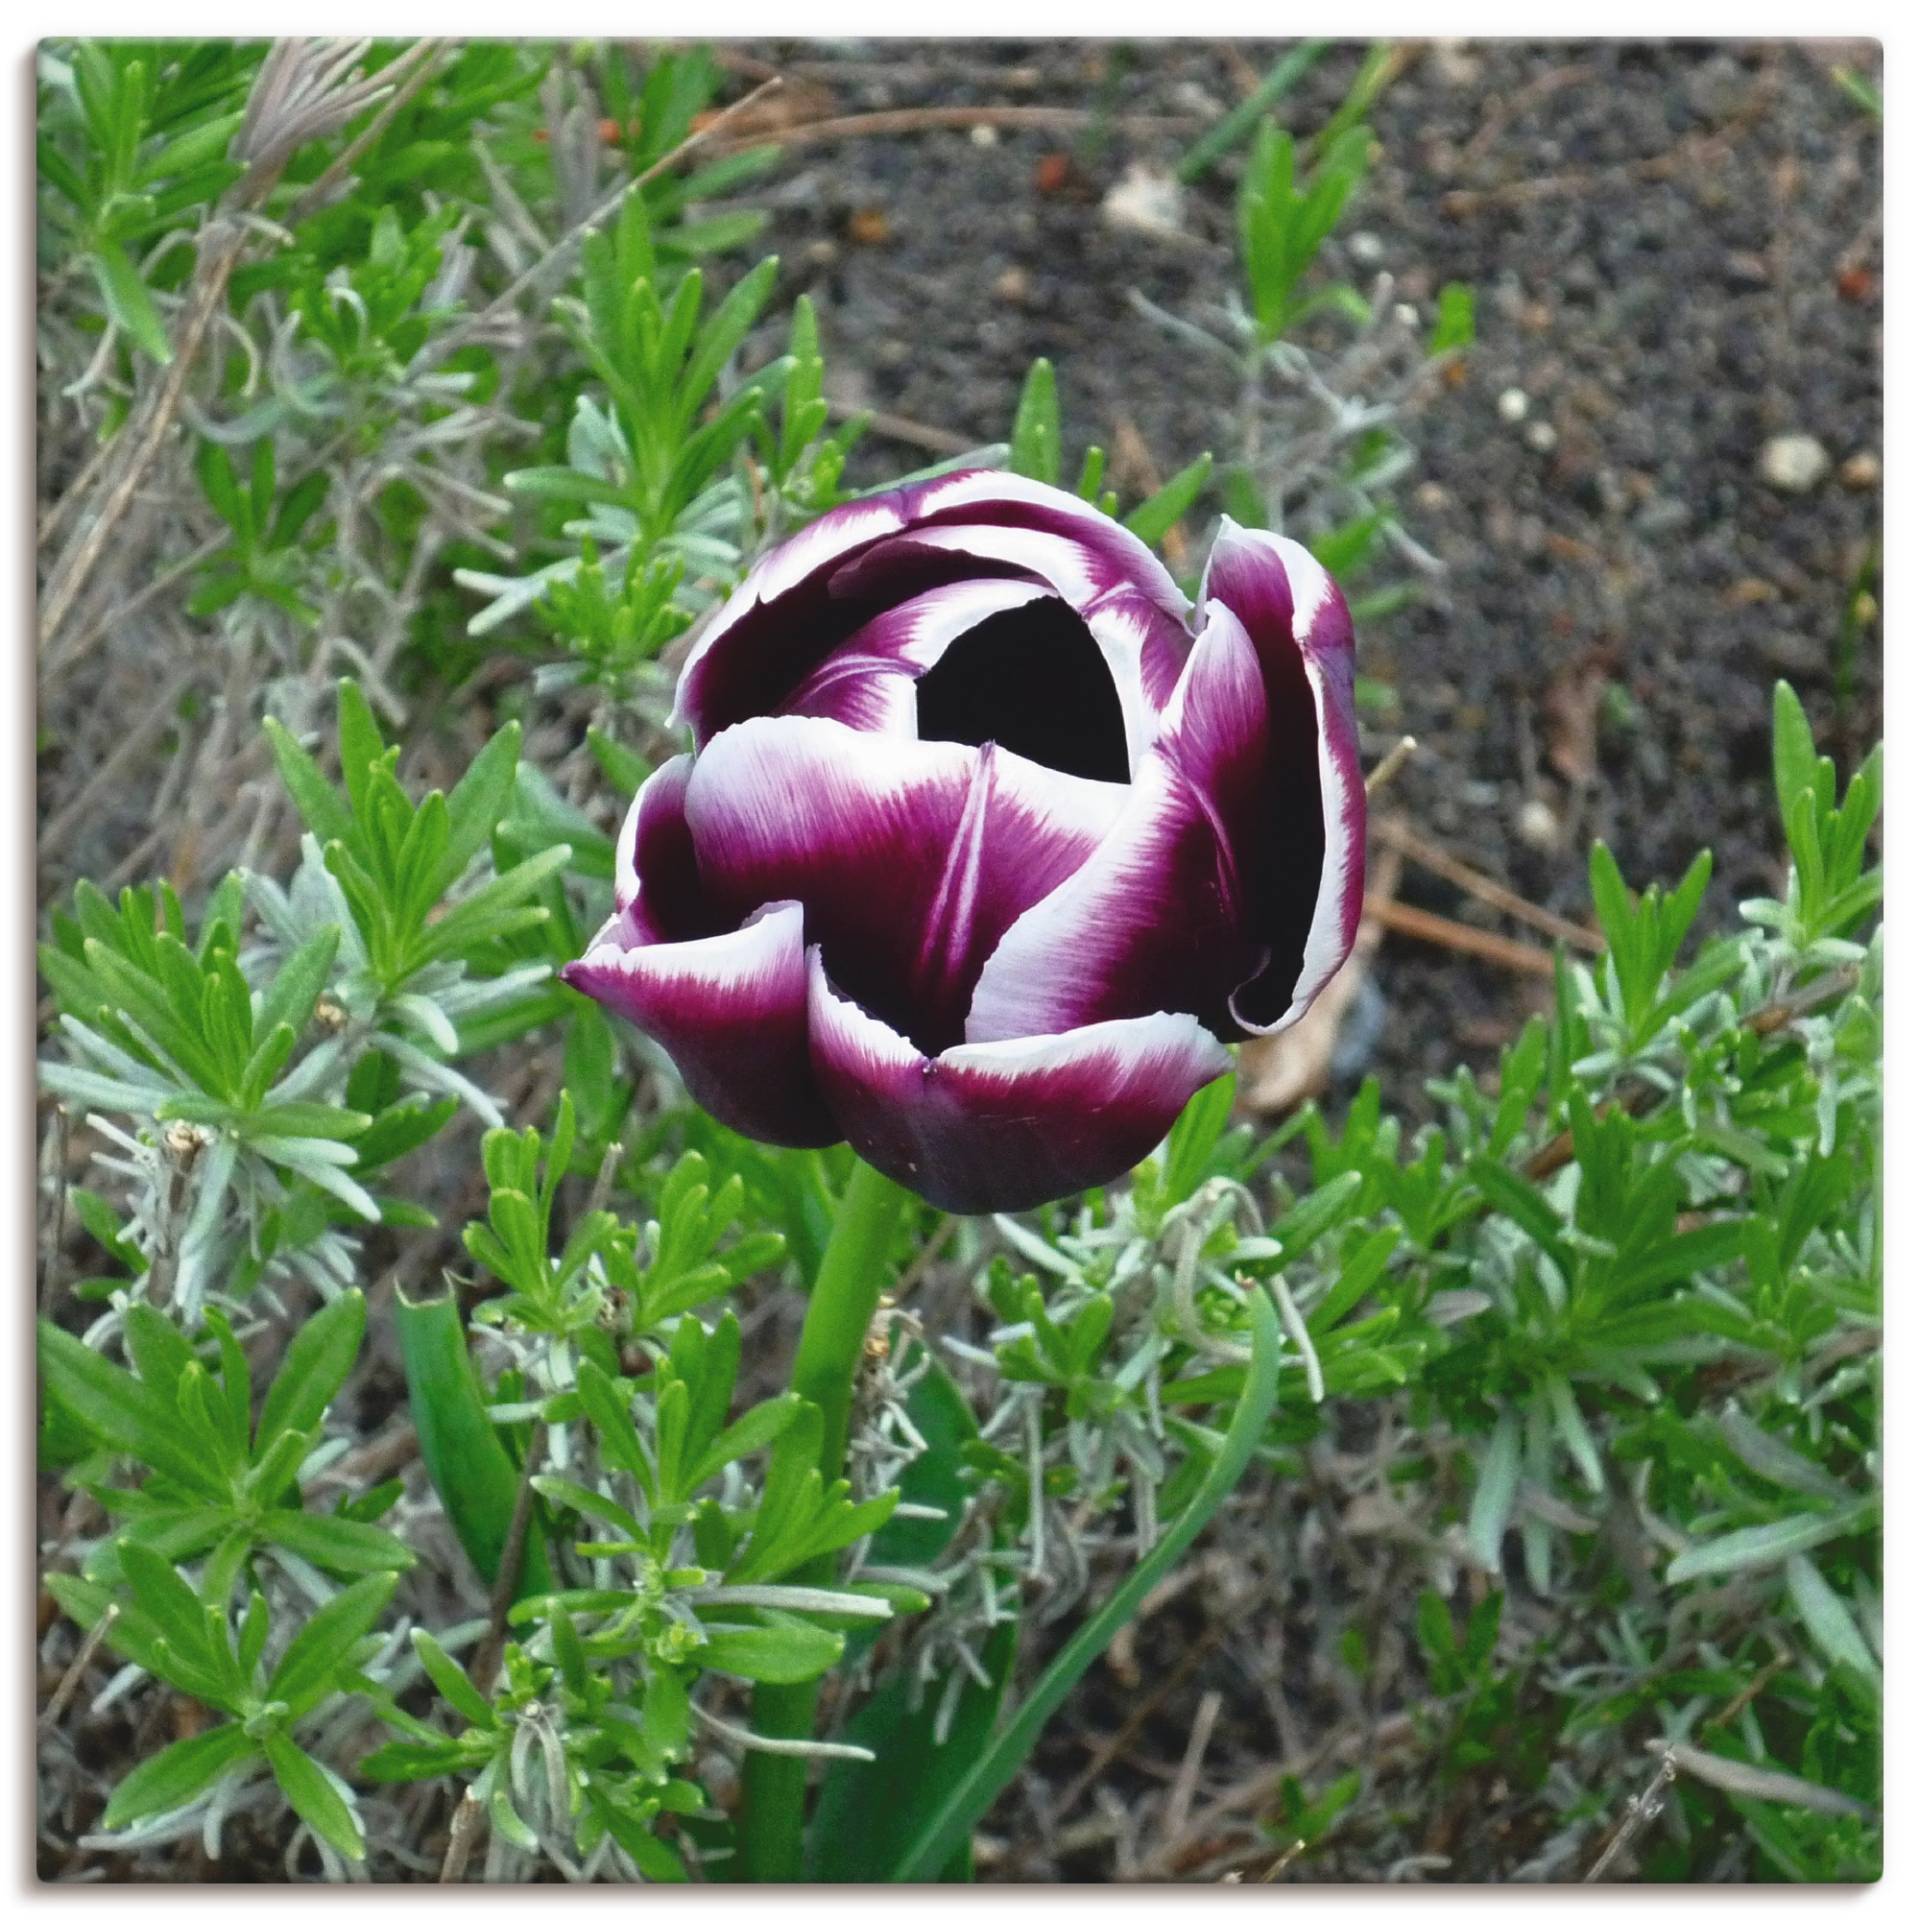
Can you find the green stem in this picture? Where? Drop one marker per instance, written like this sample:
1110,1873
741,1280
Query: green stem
853,1269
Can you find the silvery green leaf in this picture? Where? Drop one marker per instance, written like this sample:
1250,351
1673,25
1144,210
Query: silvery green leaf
425,1071
1829,1619
1750,1549
1493,1497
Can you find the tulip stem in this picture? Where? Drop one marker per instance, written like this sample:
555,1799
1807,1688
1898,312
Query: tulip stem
846,1291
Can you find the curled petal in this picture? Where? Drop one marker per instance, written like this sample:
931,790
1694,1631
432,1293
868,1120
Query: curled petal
911,857
867,682
808,597
1231,887
730,1010
1014,1124
741,644
1141,643
656,879
1153,919
1301,628
1117,559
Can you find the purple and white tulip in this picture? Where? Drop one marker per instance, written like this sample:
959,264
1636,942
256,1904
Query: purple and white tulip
990,839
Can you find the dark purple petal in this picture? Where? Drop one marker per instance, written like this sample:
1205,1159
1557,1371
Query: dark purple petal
731,1012
811,595
912,858
1300,625
1118,560
1151,922
726,661
1003,1127
867,681
656,879
1232,886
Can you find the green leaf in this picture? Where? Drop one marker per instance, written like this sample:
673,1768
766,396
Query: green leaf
124,1412
175,1775
1453,325
1829,1619
1748,1549
128,302
1794,756
306,1669
314,1797
782,1655
1157,515
1227,134
319,803
868,1813
318,1359
338,1545
476,803
1036,427
1495,1491
465,1458
982,1783
451,1682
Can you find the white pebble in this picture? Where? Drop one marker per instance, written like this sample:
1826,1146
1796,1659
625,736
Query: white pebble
1794,462
1538,825
985,136
1541,436
1145,201
1513,406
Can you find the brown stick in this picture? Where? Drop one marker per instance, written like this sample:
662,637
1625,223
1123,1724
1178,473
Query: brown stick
1397,917
896,426
70,1680
1417,847
486,1657
148,433
898,120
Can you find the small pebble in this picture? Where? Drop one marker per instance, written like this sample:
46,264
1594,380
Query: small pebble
1012,286
1860,472
1541,437
1367,249
1145,201
1513,406
1794,462
985,136
1407,313
1538,825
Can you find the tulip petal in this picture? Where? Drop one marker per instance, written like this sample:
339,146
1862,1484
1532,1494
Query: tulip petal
1150,923
912,858
1128,628
867,682
805,600
1010,1125
656,880
1231,887
1118,559
1300,625
731,1012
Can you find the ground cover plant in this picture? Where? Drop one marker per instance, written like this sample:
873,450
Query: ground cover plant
465,1458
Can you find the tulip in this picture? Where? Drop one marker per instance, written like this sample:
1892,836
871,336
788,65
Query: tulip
991,839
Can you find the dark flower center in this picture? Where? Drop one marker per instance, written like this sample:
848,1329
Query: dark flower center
1033,681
